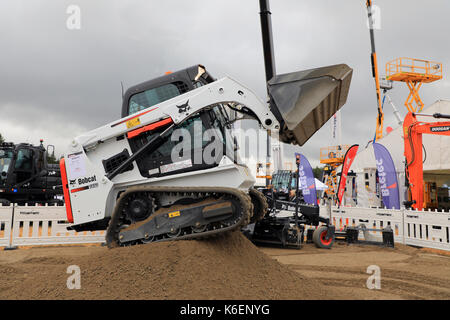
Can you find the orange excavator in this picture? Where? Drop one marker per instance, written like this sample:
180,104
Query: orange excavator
413,131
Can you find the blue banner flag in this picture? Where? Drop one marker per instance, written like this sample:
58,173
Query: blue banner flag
387,177
307,183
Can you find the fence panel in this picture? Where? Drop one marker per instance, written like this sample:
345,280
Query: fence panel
46,225
371,218
6,214
427,229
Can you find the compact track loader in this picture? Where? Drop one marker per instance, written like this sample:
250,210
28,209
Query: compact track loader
169,169
133,177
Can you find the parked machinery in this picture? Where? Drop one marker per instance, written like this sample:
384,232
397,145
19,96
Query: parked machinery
26,176
282,187
284,225
413,131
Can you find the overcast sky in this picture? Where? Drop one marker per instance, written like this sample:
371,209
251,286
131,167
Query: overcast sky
57,83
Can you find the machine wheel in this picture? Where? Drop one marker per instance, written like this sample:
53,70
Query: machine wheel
319,238
260,205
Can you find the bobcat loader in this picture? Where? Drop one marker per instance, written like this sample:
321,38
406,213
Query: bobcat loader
126,177
169,168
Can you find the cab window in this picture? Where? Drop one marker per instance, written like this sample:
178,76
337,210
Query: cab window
151,97
24,160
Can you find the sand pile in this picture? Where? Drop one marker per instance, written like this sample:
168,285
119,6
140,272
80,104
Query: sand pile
228,267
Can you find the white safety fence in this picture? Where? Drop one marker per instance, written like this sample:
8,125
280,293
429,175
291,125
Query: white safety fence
47,225
6,216
428,229
42,225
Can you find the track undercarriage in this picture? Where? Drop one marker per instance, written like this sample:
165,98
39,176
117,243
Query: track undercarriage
198,212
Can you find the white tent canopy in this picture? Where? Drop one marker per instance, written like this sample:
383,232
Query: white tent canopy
320,186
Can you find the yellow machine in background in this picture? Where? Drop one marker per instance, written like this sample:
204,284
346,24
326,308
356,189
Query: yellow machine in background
332,157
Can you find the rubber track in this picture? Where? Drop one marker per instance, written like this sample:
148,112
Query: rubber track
262,208
112,233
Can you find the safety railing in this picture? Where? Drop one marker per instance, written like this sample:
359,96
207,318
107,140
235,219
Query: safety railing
428,229
404,69
41,225
6,216
333,153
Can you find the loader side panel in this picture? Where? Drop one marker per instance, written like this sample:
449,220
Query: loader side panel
86,190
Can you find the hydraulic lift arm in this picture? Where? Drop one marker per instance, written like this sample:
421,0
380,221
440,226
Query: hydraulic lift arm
373,58
413,131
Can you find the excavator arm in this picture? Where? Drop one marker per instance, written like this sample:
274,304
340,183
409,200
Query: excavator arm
413,131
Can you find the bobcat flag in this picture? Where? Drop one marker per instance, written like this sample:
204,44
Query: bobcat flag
306,180
387,177
348,160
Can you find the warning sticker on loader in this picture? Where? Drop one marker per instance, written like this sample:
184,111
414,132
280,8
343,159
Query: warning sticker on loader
174,214
76,164
133,123
176,166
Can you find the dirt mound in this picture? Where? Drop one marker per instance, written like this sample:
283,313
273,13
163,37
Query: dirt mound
228,267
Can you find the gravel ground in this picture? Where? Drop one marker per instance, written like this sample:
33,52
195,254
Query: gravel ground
228,267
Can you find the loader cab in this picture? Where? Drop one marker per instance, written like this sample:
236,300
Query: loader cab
152,92
283,184
22,162
24,167
26,162
214,120
198,143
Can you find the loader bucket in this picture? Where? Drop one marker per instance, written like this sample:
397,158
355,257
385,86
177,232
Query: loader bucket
304,101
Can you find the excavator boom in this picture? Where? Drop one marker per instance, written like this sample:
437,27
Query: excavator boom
413,131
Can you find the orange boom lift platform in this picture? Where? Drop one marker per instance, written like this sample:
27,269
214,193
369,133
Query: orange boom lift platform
414,72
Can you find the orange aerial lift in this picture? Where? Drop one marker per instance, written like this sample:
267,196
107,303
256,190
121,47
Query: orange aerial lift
414,72
332,157
413,131
373,57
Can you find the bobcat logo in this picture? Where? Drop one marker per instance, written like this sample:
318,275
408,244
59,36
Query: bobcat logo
72,182
184,107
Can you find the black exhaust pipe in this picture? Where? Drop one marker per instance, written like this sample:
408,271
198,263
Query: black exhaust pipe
267,38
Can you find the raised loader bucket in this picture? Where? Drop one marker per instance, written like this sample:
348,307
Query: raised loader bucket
304,101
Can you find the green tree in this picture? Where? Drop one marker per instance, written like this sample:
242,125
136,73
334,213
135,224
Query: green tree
1,138
51,159
318,173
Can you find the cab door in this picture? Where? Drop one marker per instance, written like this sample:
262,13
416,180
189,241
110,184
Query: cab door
23,165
